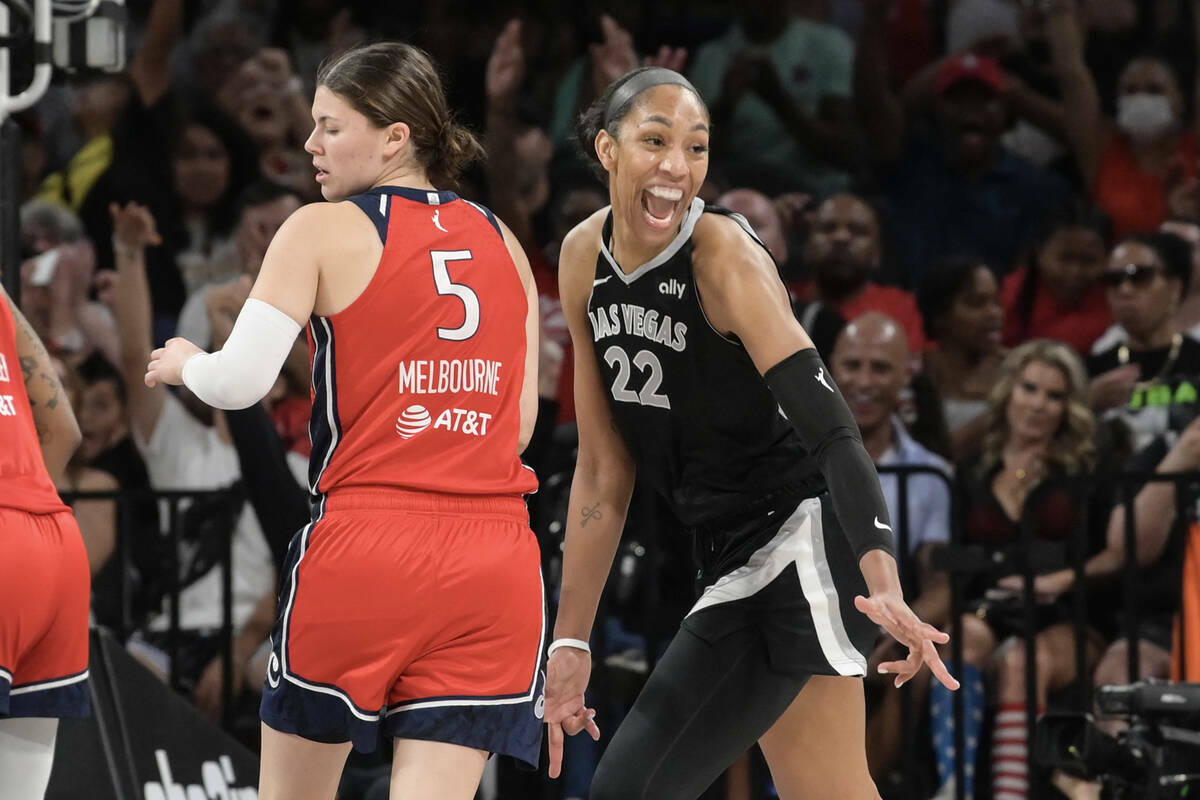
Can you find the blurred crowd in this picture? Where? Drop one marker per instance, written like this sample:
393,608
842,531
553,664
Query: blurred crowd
988,215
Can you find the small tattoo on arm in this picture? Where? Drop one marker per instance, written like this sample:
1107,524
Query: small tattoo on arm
589,514
53,383
28,367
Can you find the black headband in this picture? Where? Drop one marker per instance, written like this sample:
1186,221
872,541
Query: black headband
654,76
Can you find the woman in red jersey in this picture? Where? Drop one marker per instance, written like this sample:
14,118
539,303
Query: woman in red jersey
44,577
412,604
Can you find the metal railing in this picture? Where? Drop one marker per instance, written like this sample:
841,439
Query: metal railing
174,502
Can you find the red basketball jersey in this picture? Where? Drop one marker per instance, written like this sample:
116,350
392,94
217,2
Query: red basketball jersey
418,383
24,482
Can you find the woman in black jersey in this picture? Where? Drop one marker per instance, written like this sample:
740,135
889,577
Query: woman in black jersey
692,371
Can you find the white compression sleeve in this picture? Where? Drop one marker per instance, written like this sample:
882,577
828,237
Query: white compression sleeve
26,756
241,373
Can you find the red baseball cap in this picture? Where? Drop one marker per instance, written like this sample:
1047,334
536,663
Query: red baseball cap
971,67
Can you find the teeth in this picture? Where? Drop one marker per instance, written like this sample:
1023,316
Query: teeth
664,193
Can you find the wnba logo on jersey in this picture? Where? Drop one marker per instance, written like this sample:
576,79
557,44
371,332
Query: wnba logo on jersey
414,420
3,368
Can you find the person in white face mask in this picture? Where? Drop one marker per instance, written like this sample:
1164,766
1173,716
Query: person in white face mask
1129,163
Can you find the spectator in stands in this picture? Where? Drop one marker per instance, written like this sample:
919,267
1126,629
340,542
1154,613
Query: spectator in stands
1165,517
1145,370
843,254
99,400
1187,317
822,323
779,86
1130,164
871,364
56,280
961,313
1039,429
1057,294
269,101
181,452
952,187
97,518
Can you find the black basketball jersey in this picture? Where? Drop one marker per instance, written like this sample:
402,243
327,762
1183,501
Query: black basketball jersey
704,428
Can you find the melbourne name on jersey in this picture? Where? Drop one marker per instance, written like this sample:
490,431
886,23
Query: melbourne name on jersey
455,375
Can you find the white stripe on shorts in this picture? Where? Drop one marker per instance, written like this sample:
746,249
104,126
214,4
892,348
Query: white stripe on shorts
800,542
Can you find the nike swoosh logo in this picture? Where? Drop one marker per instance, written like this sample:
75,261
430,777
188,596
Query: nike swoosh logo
881,526
599,281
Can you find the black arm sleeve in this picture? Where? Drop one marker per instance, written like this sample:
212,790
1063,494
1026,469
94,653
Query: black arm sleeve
806,393
280,504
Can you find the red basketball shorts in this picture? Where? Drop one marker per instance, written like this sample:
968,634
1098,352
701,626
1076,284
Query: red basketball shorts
413,615
45,589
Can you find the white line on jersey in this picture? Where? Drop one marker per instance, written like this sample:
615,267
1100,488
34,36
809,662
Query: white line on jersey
437,223
599,281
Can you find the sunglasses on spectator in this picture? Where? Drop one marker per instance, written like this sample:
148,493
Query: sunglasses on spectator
1138,275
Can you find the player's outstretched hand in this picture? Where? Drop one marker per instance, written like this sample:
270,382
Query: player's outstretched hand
567,677
889,611
166,363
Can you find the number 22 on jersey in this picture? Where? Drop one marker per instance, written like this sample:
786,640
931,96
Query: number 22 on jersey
645,361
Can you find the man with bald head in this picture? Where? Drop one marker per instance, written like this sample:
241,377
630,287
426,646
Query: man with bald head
843,254
871,366
821,322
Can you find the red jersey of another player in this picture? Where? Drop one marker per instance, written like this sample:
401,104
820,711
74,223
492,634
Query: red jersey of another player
24,482
418,383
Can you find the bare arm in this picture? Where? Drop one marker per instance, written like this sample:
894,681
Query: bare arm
133,230
505,71
604,471
291,267
97,518
56,427
533,329
151,66
1084,120
878,109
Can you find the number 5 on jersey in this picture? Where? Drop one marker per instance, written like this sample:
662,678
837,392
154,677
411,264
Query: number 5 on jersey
470,301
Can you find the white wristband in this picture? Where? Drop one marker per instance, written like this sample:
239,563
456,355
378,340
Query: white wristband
578,644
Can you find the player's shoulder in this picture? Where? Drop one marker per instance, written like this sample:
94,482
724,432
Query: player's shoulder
582,243
315,222
722,244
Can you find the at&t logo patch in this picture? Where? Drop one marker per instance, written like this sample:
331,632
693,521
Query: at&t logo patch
414,420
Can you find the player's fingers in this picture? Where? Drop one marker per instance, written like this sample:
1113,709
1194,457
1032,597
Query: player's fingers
593,730
577,722
937,667
892,667
555,736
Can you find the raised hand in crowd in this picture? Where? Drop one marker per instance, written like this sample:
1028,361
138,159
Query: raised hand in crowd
134,229
614,56
506,65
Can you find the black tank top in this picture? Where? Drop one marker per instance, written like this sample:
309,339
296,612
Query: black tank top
699,420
